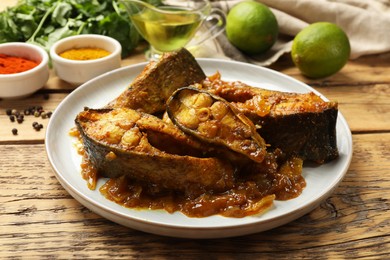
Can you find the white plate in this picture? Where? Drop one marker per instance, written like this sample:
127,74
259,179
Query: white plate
321,181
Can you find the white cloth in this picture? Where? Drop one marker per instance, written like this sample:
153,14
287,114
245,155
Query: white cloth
366,22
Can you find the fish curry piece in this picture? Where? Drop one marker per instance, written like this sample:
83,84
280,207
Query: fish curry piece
213,120
125,142
151,89
300,124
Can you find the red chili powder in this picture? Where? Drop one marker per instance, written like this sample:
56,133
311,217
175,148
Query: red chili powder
12,64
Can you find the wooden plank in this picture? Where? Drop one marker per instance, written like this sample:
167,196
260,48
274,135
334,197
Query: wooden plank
39,219
366,109
367,70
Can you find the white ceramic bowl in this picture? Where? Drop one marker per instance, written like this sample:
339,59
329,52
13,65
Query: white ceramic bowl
22,84
77,72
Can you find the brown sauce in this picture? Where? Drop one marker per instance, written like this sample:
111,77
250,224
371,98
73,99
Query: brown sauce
256,187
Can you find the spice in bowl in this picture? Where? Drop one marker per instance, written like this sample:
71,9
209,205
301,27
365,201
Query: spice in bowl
85,62
84,54
12,64
23,69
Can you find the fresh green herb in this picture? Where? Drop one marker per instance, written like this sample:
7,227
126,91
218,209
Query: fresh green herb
43,22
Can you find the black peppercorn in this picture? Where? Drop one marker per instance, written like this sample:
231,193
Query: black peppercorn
18,116
31,110
37,126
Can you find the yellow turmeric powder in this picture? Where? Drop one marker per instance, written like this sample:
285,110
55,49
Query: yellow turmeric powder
84,54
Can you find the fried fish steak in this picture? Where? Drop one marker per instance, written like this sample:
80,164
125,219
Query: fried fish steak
300,124
151,89
213,120
126,142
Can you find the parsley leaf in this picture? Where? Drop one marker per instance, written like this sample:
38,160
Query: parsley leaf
43,22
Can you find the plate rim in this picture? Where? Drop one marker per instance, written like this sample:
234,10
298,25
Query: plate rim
204,231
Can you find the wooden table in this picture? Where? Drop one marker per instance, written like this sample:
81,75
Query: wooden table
39,219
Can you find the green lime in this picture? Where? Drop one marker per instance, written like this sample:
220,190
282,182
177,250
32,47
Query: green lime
251,27
320,50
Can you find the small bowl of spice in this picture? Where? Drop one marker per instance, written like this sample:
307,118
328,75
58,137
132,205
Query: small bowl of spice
23,69
77,59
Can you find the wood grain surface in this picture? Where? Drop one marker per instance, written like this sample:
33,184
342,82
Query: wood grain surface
40,220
